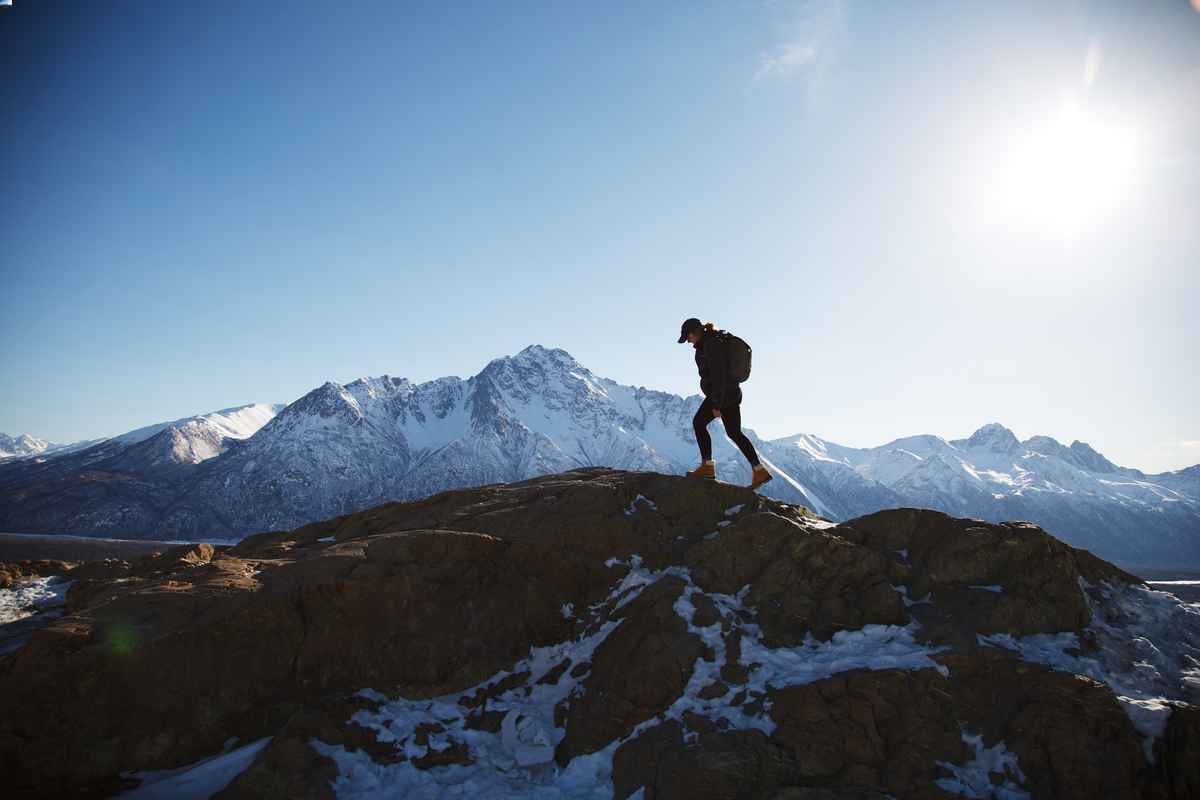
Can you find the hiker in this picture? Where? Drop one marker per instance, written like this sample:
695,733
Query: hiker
722,398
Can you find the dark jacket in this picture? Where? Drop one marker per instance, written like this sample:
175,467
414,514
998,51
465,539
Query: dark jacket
712,359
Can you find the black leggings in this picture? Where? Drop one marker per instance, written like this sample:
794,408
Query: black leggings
731,415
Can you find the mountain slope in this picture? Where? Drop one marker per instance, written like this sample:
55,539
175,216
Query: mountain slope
124,483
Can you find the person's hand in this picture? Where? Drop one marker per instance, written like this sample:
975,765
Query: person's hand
716,412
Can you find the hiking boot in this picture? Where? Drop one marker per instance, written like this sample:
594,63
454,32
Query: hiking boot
759,476
705,470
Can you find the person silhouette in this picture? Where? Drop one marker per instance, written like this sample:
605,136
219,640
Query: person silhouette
722,399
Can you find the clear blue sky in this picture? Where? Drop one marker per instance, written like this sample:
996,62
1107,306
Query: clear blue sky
214,204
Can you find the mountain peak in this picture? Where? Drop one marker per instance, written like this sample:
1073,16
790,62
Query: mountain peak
327,400
994,436
551,354
551,359
1091,460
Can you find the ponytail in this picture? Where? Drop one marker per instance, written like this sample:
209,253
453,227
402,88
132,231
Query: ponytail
709,326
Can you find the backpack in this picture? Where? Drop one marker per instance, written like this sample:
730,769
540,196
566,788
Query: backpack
739,358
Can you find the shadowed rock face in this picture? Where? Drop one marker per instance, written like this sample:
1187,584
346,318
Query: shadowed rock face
693,638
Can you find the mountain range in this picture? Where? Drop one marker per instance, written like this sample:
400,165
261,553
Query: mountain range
341,448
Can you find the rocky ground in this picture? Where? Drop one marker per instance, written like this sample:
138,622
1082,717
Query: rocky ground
603,633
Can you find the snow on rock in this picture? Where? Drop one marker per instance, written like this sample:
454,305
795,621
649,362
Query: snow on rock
517,760
974,779
1148,651
28,605
632,507
27,597
637,647
197,781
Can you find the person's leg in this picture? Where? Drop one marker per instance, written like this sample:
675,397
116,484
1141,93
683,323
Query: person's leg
732,417
700,424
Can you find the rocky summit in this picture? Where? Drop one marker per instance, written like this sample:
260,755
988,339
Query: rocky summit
603,633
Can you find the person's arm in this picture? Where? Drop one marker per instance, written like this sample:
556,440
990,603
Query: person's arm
719,363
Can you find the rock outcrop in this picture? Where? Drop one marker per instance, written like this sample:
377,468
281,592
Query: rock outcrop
609,633
13,571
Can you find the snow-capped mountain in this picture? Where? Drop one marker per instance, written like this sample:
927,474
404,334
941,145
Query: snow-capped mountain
186,440
342,448
201,435
1072,491
26,446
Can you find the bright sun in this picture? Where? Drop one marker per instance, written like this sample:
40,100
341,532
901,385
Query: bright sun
1065,174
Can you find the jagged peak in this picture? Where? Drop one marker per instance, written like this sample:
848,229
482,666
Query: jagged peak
993,436
1090,459
551,355
384,379
555,360
1043,439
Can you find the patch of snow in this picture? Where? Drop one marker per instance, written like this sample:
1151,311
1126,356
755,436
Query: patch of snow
1149,651
973,779
518,762
31,595
28,605
732,510
197,781
326,539
632,507
991,587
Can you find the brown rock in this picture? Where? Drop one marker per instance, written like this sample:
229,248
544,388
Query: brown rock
888,728
424,611
13,571
1177,758
718,765
288,767
638,671
803,580
436,596
947,556
485,721
706,611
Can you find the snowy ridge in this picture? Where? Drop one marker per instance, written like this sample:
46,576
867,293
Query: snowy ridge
238,422
1074,492
341,448
26,446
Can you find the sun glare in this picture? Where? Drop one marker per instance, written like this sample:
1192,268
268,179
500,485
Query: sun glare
1065,174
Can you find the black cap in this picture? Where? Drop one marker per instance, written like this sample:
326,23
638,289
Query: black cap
690,324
